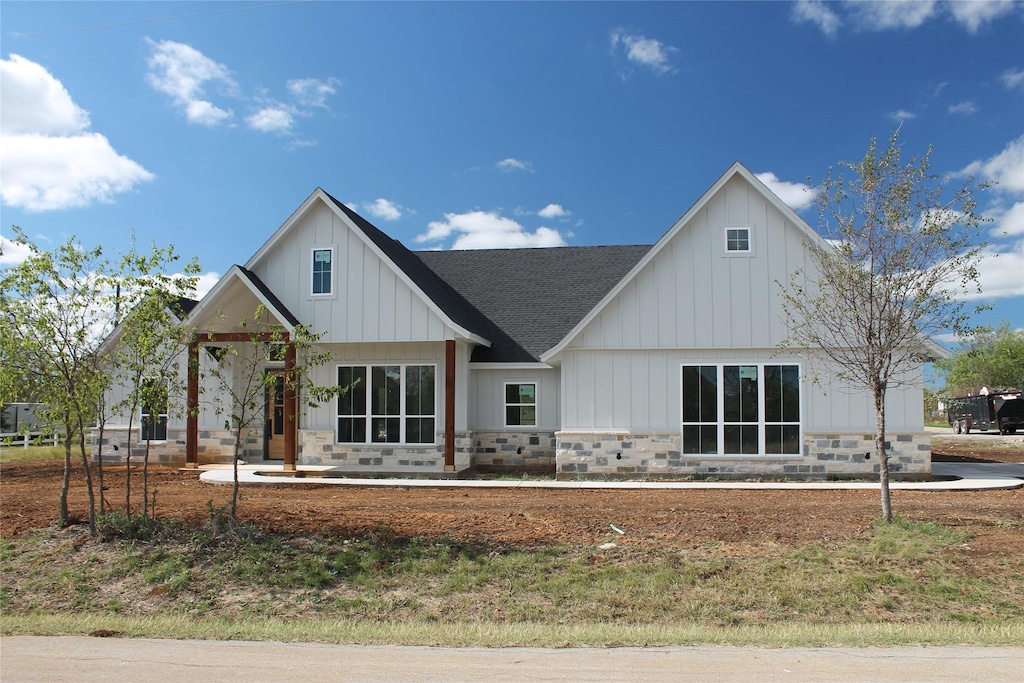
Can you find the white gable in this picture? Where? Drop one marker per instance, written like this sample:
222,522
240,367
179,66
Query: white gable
690,292
371,299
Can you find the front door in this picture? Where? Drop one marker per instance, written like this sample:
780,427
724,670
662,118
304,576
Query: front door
275,426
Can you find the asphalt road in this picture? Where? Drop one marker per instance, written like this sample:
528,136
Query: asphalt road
116,660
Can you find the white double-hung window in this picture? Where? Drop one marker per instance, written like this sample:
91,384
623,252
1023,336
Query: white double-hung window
751,409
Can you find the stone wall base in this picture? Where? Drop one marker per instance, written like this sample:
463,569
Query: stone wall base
317,447
215,446
514,452
622,455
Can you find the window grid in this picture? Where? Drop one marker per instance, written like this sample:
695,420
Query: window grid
734,409
394,404
737,240
322,269
153,425
520,404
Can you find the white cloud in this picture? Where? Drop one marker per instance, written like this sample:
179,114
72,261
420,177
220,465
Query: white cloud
963,108
902,115
1006,168
384,209
1008,222
1000,273
48,158
974,14
181,71
36,102
646,52
205,282
817,13
511,164
271,120
883,15
312,92
794,195
12,253
1012,79
488,230
553,211
206,114
891,14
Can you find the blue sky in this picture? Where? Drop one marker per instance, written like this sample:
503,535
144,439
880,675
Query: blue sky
487,124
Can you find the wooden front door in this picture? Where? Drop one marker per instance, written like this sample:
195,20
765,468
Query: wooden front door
275,425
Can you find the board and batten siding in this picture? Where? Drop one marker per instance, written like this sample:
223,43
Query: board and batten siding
487,406
692,294
370,301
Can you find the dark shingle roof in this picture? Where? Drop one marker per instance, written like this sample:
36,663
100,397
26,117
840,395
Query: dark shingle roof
523,301
531,298
271,297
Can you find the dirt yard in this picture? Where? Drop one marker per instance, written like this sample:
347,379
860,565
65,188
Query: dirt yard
528,517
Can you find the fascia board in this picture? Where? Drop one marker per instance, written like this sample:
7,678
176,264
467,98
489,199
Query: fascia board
234,273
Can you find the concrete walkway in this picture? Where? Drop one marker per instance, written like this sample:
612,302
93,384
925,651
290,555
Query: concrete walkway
970,477
117,660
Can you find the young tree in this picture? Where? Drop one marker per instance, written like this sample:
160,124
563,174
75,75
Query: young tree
149,346
244,383
52,316
987,357
898,252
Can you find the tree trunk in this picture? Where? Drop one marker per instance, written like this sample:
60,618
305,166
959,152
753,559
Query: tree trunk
66,483
145,482
878,391
88,480
99,461
234,465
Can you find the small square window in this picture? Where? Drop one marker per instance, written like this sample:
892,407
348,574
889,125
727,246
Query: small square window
322,270
737,240
521,405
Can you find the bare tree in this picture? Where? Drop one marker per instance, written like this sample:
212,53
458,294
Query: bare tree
898,252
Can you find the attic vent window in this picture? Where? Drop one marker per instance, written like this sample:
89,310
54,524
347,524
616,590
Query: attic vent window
322,270
737,240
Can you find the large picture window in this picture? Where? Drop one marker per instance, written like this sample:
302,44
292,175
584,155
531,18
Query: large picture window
741,409
386,404
521,404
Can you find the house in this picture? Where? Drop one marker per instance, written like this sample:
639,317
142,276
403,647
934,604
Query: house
609,361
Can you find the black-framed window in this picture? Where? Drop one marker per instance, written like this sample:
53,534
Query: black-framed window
154,410
521,404
387,404
323,269
741,409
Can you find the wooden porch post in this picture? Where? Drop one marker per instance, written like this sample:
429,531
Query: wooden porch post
291,399
192,408
449,406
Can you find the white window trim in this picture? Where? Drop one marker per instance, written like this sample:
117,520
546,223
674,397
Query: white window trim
159,416
720,407
402,416
749,251
536,405
334,278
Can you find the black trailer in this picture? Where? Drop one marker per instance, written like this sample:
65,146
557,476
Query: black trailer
1003,412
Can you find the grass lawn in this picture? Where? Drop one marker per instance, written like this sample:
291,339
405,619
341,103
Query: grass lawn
897,584
18,453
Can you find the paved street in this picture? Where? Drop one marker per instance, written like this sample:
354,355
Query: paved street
116,660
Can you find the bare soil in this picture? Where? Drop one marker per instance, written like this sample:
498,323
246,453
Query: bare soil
528,517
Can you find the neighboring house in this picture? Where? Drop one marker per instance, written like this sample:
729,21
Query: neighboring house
608,361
